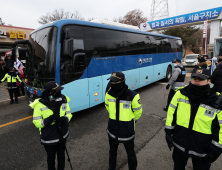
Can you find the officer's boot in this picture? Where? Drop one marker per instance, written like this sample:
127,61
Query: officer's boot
12,101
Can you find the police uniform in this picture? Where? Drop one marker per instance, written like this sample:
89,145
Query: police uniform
12,84
52,135
176,81
124,110
196,127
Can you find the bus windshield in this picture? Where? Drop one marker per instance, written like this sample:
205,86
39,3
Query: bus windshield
41,67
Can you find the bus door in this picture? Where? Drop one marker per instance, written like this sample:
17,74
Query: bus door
73,74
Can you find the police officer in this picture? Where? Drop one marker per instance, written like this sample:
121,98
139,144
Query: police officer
194,123
12,84
125,108
51,115
176,81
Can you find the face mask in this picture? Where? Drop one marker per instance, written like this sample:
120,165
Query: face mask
175,64
118,87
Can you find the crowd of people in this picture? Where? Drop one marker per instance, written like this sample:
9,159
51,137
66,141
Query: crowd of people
13,73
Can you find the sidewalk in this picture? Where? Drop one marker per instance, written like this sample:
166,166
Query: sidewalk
156,156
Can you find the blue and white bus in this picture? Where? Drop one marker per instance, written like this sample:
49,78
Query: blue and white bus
81,55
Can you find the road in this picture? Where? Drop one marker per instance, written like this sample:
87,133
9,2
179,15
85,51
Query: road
88,146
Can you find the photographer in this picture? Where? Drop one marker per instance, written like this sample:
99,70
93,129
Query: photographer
51,115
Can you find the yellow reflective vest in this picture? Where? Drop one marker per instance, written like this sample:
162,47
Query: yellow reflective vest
11,80
49,131
196,127
123,112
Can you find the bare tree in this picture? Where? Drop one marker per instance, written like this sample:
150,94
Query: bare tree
59,14
90,19
134,17
1,22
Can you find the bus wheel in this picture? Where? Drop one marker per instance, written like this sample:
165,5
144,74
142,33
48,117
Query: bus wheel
108,87
168,73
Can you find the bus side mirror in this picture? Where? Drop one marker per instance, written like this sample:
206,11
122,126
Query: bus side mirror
68,47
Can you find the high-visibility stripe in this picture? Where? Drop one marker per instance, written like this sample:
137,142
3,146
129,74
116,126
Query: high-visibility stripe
179,147
44,108
210,108
42,122
120,139
169,127
183,100
66,135
59,99
138,108
68,112
126,139
197,154
50,141
36,118
111,100
220,121
217,144
173,106
113,136
106,104
124,101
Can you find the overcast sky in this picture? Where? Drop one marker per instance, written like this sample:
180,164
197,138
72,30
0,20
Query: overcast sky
25,13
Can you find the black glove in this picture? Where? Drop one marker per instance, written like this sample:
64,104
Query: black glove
0,81
169,141
61,121
168,86
54,117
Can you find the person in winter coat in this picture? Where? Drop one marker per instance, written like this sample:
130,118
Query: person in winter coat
176,81
2,69
202,63
216,78
193,124
125,108
12,87
20,85
51,116
8,62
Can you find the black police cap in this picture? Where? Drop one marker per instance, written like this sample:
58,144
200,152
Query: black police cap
117,76
201,72
52,85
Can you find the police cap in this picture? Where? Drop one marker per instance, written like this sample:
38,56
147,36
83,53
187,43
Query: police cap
117,76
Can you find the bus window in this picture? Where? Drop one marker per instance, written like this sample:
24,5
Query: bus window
179,45
133,44
107,43
73,67
151,44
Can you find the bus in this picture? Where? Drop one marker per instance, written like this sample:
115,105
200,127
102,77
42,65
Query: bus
81,55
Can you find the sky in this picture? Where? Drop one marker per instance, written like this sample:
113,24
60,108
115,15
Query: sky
25,13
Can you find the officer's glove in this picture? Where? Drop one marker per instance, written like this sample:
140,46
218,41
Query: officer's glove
169,141
0,81
61,121
168,86
54,117
211,158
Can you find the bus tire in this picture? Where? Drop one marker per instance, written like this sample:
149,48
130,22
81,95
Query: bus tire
108,87
168,73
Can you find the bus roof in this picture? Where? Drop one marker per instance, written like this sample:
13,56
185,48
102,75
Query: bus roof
63,22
